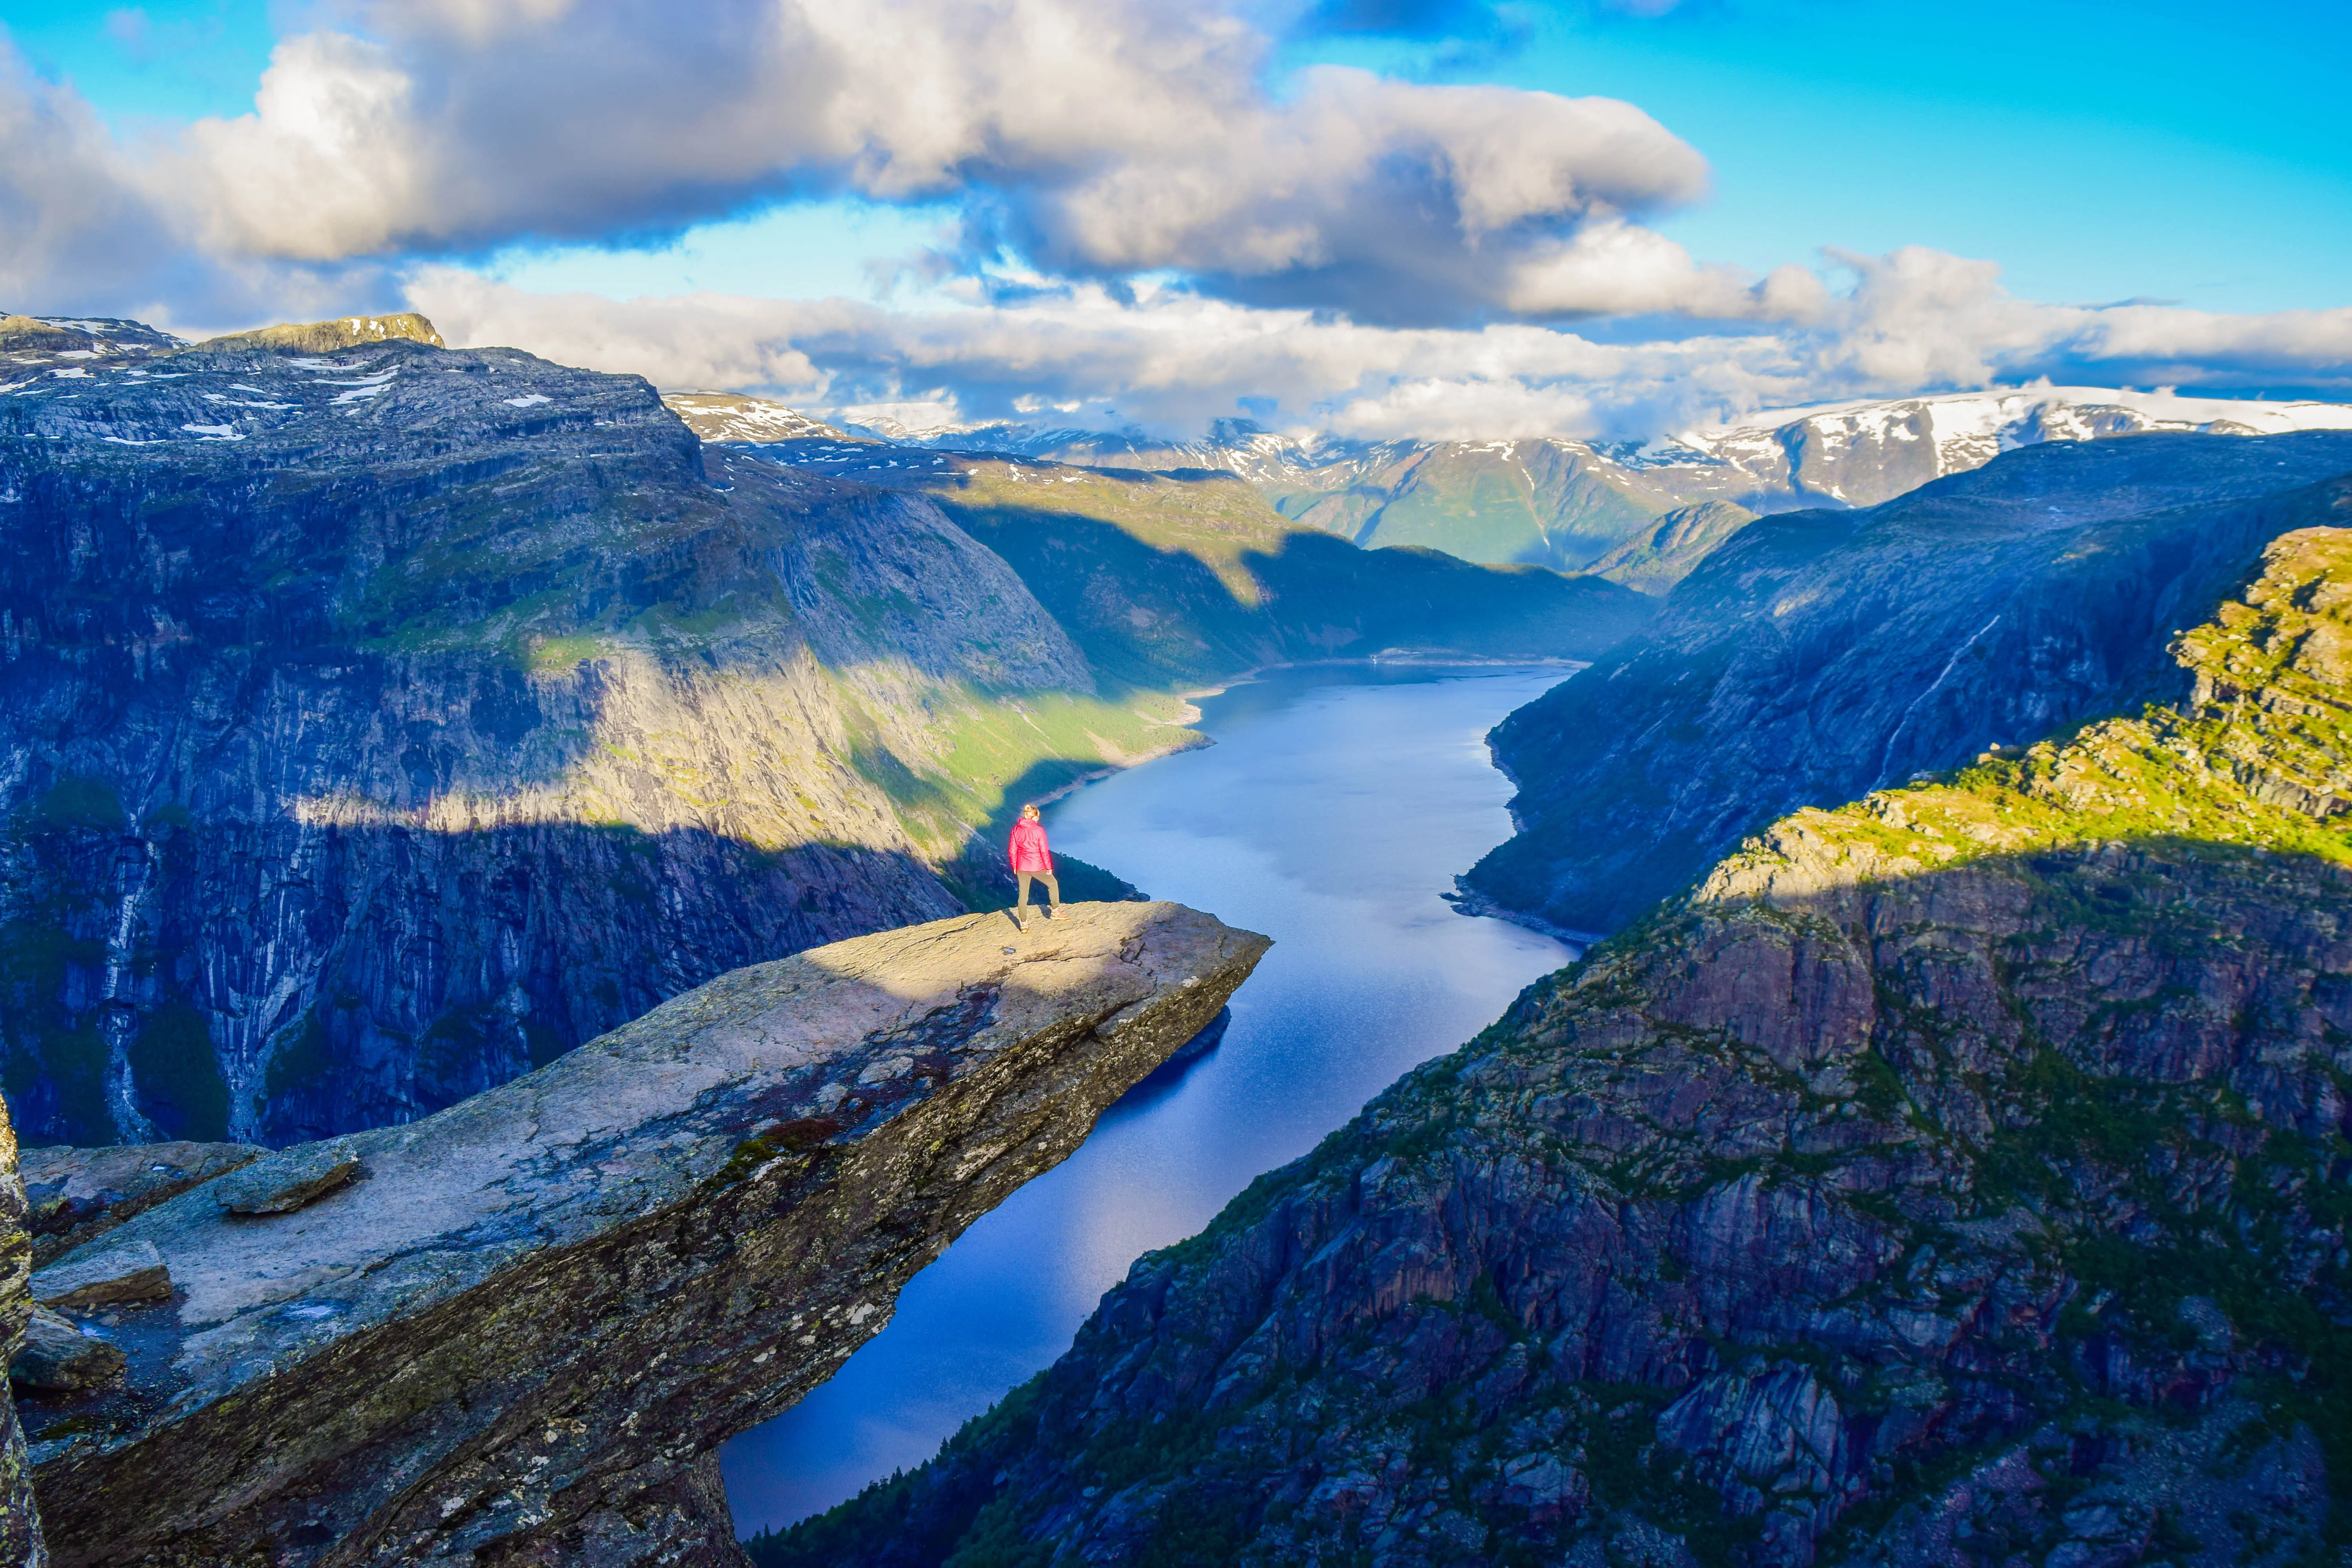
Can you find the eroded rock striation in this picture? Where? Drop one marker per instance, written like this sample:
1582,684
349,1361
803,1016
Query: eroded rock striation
1816,656
520,1334
1956,1177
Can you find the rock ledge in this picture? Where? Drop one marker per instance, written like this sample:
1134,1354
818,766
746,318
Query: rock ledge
521,1334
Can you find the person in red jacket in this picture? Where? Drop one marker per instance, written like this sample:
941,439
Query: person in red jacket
1031,858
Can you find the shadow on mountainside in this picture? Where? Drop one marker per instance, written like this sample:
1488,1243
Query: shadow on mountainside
285,985
1149,616
355,976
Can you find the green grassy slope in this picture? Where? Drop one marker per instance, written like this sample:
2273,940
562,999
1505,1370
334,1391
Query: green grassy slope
1179,578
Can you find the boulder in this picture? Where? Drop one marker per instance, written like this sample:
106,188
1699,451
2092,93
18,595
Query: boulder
522,1338
291,1179
57,1356
130,1271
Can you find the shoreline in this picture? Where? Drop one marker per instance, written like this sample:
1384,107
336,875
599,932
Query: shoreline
1418,657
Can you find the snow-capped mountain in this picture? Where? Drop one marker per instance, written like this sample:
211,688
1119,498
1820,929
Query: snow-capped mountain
732,417
1573,504
1859,454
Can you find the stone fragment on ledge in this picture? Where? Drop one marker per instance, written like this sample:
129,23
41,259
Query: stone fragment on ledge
523,1337
289,1180
130,1271
79,1195
58,1357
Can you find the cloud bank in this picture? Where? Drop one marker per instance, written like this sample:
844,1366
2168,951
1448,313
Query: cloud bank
1172,361
1095,139
1154,225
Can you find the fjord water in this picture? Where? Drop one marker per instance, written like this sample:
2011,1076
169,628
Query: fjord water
1334,810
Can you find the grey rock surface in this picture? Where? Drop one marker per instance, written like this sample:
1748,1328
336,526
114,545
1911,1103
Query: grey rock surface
1817,656
521,1337
58,1357
114,1268
77,1194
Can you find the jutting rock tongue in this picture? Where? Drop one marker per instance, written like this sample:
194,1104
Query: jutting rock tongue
20,1524
518,1331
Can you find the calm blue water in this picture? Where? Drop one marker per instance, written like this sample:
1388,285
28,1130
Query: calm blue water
1337,804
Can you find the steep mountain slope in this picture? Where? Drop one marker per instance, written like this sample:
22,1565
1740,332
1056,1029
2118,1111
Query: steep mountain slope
379,725
1573,505
1652,562
1955,1178
1819,655
1187,576
1551,503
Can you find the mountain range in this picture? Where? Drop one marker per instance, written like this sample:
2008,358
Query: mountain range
1954,1178
1578,505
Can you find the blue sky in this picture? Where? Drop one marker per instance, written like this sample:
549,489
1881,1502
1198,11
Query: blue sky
2167,149
1459,232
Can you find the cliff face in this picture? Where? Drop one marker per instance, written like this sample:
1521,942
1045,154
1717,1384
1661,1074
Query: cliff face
378,727
20,1524
1817,656
516,1331
1956,1177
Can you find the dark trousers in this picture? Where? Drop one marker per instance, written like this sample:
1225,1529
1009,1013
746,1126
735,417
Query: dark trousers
1053,888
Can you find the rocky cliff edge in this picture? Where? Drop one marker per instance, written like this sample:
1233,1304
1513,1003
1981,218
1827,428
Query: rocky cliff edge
517,1331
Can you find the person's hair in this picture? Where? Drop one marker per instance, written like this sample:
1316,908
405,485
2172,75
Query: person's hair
1031,810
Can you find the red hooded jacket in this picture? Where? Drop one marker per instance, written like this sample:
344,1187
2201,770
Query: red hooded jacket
1029,851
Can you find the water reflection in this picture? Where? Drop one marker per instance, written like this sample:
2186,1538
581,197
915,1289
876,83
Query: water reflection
1336,807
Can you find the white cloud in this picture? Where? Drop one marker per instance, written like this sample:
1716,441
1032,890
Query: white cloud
65,212
1097,138
1915,320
